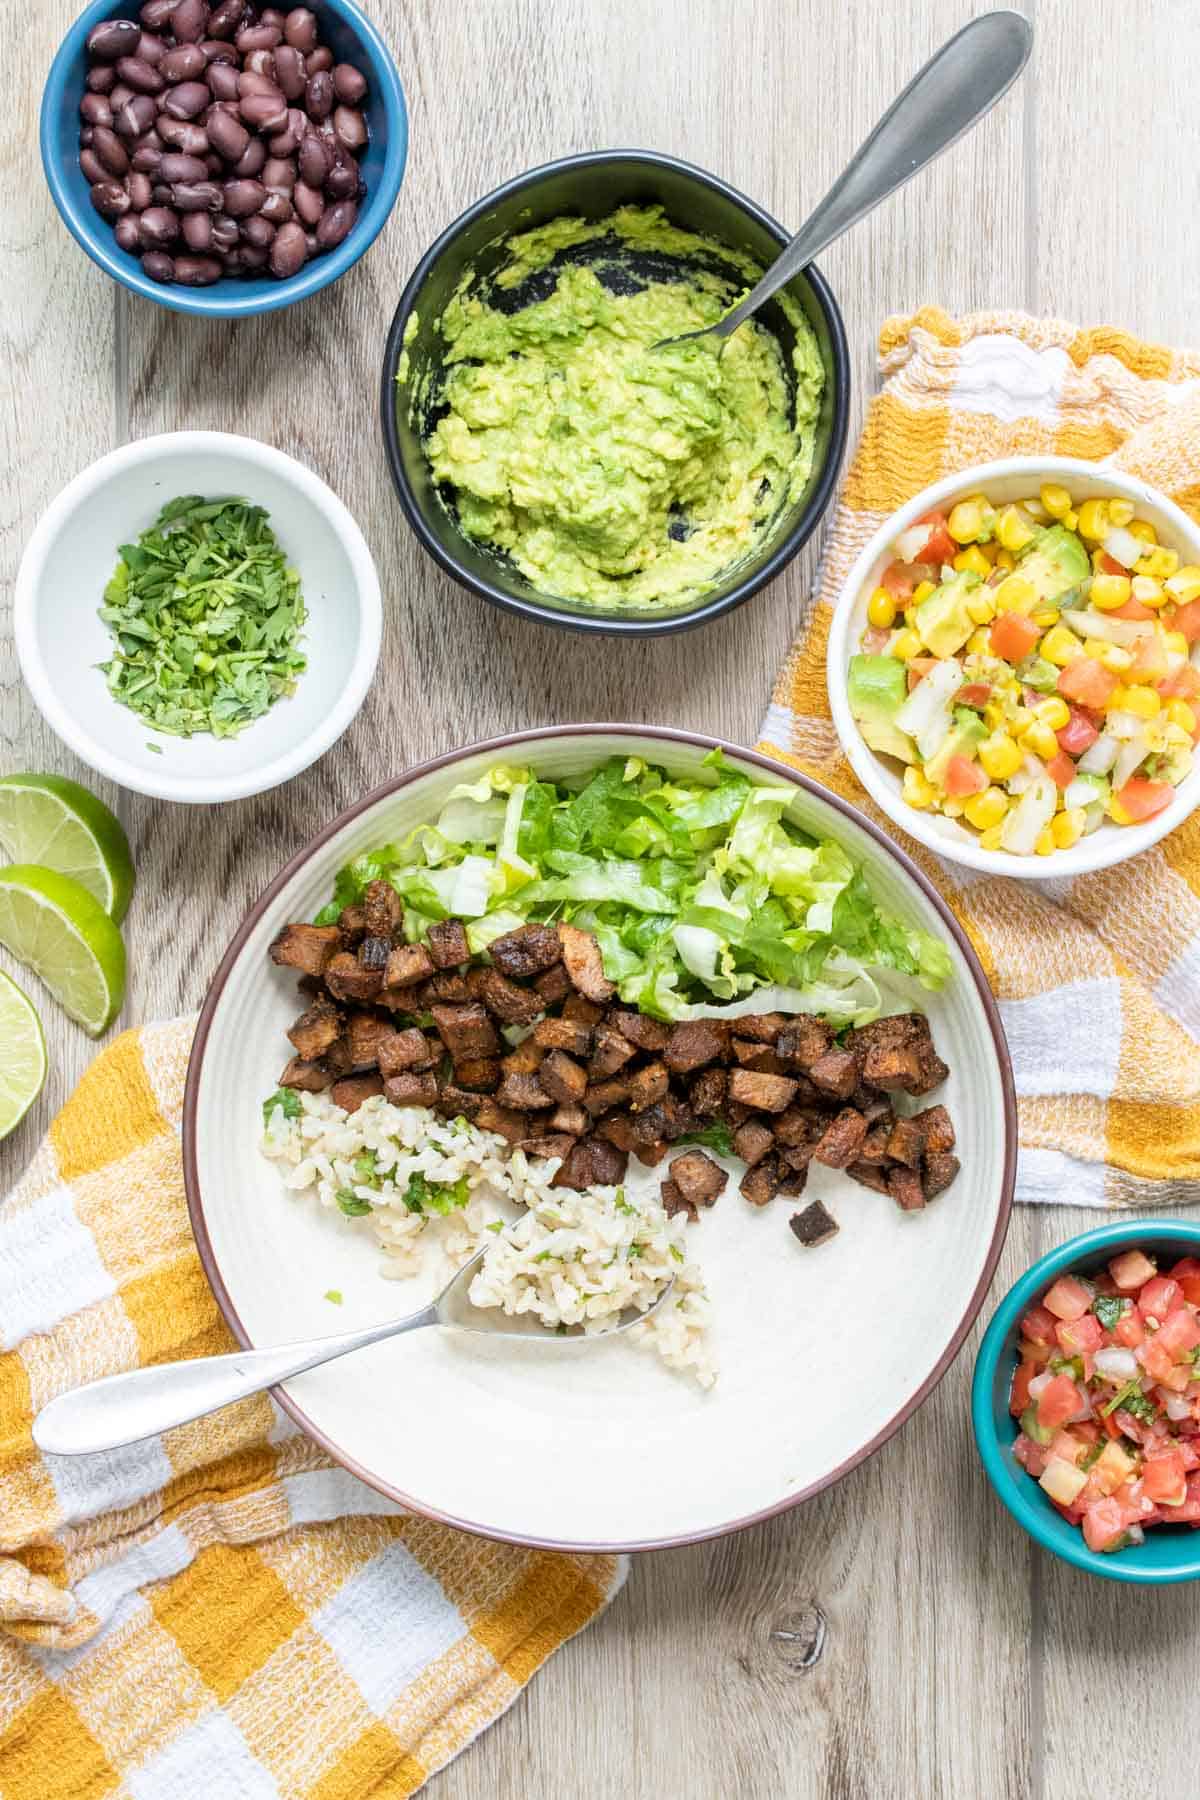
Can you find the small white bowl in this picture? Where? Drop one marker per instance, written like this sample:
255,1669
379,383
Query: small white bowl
1008,479
60,636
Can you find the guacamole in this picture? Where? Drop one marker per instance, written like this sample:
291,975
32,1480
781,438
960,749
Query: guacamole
610,472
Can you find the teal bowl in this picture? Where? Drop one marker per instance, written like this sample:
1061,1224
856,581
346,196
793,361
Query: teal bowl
1170,1552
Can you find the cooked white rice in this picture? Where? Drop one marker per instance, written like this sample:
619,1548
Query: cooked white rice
569,1258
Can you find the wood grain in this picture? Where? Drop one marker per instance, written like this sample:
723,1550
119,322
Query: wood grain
958,1661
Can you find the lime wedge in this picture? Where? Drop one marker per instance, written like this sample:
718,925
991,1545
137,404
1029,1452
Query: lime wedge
22,1055
57,929
55,823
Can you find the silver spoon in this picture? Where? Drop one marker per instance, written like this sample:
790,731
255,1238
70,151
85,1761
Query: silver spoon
954,90
123,1409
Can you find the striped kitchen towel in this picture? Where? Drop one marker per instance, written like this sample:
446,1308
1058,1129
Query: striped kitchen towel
220,1613
1098,979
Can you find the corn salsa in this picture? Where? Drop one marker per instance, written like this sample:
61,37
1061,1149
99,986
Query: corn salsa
1035,667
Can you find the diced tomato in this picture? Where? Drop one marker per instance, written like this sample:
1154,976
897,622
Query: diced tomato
918,668
1019,1398
974,693
1068,1298
1032,1457
1103,1524
963,777
1149,659
1013,636
1079,1337
1190,1454
1131,1271
875,640
1187,620
1087,681
899,582
1156,1359
1132,609
1159,1297
1058,1403
1143,799
1187,1274
1182,684
1179,1333
1078,734
934,545
1061,770
1129,1330
1164,1478
1189,1512
1068,1447
1038,1325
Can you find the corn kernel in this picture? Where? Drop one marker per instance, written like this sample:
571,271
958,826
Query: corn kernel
1180,713
1119,511
1158,562
1184,585
952,809
916,789
1117,812
922,591
1070,520
973,560
1055,499
905,644
994,715
1005,560
1045,845
1013,529
1045,619
999,757
1110,591
965,522
990,839
981,608
881,610
1157,733
1094,521
1019,719
1148,592
1113,656
1040,739
986,809
979,643
1143,530
1176,643
1015,594
1053,712
1142,702
1067,828
1060,646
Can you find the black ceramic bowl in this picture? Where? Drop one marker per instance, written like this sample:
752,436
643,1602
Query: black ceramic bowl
593,186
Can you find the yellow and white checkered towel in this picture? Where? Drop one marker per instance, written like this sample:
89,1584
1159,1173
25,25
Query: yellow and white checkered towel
1098,979
220,1612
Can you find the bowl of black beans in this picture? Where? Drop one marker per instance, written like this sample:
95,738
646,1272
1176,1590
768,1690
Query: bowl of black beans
223,157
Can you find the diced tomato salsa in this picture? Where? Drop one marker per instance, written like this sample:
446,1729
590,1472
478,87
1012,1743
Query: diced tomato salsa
1107,1391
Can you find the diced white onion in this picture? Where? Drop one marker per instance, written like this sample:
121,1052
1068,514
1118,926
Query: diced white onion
1029,817
1081,793
1124,725
1123,547
1093,817
1130,758
926,715
1092,624
1116,1364
1099,757
1039,1383
1178,1406
1135,1534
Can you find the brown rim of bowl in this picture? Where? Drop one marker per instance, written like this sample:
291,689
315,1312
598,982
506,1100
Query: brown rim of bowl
499,746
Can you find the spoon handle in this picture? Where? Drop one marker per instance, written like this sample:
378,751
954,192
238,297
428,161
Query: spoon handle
941,103
121,1409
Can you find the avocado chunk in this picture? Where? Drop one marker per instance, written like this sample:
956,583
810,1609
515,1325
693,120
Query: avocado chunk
1055,562
942,620
963,739
877,687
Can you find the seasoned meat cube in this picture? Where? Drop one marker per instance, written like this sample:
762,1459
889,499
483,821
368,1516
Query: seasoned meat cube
940,1169
481,1072
603,1096
763,1028
692,1045
305,947
556,1143
835,1074
524,1092
512,1004
651,1154
364,1035
875,1144
667,1119
673,1201
841,1140
382,908
795,1126
527,951
346,978
642,1031
760,1057
803,1041
616,1128
337,1058
735,1114
491,1116
761,1183
308,1077
707,1092
648,1085
352,926
794,1181
592,1163
447,941
407,1049
611,1052
408,963
906,1144
554,985
454,1100
525,1059
447,985
571,1119
765,1093
898,1053
698,1178
814,1225
563,1078
466,1031
585,1011
411,1088
935,1127
373,953
406,1000
798,1156
350,1093
585,965
752,1140
564,1034
869,1175
904,1185
316,1029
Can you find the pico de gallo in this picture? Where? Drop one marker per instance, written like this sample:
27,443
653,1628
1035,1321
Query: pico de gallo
1035,666
1107,1392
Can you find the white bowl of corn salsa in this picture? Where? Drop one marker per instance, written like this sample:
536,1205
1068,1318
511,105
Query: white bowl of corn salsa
1014,667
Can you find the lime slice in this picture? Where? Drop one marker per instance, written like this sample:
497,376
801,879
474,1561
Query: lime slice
55,823
22,1055
58,930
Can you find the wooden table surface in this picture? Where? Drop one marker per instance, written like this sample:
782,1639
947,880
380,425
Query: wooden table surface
957,1660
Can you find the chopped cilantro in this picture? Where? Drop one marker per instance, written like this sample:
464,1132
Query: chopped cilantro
440,1197
1067,1365
288,1101
547,1256
715,1136
1131,1399
157,748
622,1205
676,1252
334,1295
366,1171
1140,1406
1108,1308
351,1205
497,1225
1092,1454
636,1250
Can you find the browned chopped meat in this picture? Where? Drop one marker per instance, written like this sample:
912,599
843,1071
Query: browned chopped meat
798,1156
698,1178
835,1074
408,963
647,1086
454,1100
617,1128
411,1088
762,1028
352,926
803,1041
940,1169
692,1045
736,1114
841,1140
511,1004
707,1092
761,1183
448,945
585,965
305,947
667,1119
794,1181
673,1201
905,1143
814,1225
562,1077
651,1154
373,953
491,1116
875,1144
611,1051
571,1119
765,1093
555,1143
796,1126
554,985
935,1126
592,1163
759,1057
466,1031
904,1185
752,1140
311,986
642,1031
309,1077
338,1059
527,951
525,1059
383,909
603,1096
447,986
524,1092
585,1011
346,978
405,1000
350,1093
869,1175
898,1053
407,1049
564,1034
482,1072
365,1032
316,1029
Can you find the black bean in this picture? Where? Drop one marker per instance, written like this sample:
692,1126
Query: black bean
309,202
214,167
271,15
189,21
113,38
91,168
258,37
243,198
289,250
151,49
311,244
195,196
251,257
111,151
95,110
86,134
258,231
119,95
160,225
161,194
177,167
262,113
197,232
319,95
350,126
146,159
252,158
157,264
102,79
279,172
140,191
277,208
141,76
251,82
314,159
287,141
217,51
183,134
188,99
155,13
136,117
341,183
349,84
319,60
225,18
227,135
110,199
197,271
223,81
224,232
128,232
260,62
290,72
186,62
337,221
300,29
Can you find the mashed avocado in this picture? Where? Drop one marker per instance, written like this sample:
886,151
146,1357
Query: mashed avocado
610,472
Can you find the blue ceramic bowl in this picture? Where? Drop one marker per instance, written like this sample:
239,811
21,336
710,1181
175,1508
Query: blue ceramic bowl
352,38
1170,1552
